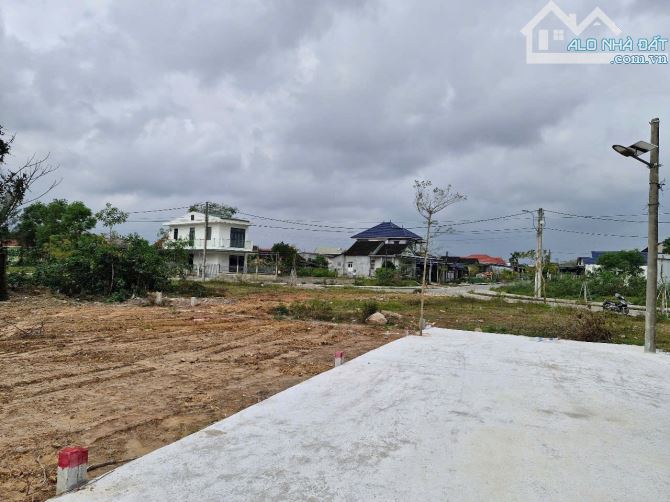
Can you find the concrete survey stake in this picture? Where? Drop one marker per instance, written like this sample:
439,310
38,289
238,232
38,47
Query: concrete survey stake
72,466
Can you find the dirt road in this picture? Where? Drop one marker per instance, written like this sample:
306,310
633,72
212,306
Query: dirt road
126,379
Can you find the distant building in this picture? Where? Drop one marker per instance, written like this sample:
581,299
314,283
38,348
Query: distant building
458,267
489,264
227,243
590,263
326,252
386,243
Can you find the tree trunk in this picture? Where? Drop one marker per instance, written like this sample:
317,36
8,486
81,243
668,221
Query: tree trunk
4,294
423,280
111,282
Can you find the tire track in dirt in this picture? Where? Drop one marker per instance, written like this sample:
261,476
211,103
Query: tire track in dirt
145,376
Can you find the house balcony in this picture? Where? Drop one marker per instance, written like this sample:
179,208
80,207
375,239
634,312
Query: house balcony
220,245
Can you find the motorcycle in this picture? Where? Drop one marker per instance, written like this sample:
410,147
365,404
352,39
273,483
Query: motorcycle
620,305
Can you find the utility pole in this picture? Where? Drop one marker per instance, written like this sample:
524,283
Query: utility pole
539,255
204,248
652,243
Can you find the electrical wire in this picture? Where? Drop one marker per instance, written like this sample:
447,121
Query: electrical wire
158,210
601,218
594,233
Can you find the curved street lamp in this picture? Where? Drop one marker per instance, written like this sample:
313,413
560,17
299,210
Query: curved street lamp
634,151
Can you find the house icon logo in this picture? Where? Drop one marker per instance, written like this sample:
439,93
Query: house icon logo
549,31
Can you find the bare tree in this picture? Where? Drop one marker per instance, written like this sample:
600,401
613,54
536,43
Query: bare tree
15,185
429,201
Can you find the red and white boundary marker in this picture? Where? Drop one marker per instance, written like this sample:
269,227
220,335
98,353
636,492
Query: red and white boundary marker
72,465
339,358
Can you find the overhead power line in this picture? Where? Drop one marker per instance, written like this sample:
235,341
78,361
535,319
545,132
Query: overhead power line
468,222
321,225
595,233
158,210
602,218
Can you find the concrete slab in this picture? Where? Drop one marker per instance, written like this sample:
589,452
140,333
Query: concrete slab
450,416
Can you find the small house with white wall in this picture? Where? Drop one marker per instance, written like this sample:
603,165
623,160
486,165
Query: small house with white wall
228,245
383,243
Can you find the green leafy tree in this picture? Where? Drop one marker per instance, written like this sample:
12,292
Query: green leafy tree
93,265
666,245
320,262
111,216
627,262
516,257
39,222
547,267
216,209
287,255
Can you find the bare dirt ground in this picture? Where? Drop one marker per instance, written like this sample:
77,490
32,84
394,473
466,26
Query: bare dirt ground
124,379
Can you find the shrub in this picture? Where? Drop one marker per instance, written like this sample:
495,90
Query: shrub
280,310
587,326
316,272
601,285
368,308
506,276
119,296
92,265
319,310
17,280
388,277
189,288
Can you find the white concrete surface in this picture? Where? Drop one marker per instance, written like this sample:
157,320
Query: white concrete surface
450,416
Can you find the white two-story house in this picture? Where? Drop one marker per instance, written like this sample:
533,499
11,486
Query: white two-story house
227,242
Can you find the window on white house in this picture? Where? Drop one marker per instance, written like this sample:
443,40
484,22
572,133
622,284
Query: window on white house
209,233
559,35
350,264
237,236
176,234
191,234
192,217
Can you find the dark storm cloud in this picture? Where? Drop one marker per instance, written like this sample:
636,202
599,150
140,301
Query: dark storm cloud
328,110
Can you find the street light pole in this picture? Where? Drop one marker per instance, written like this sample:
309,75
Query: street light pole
635,151
652,242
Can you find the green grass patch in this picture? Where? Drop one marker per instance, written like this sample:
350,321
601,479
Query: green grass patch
347,304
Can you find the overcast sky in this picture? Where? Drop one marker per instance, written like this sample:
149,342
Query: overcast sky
325,112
